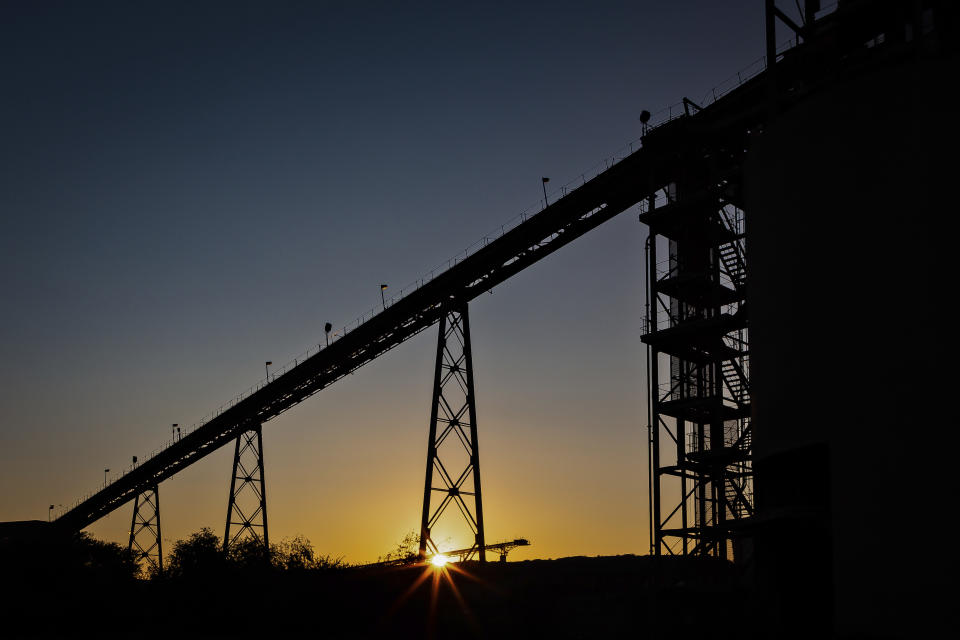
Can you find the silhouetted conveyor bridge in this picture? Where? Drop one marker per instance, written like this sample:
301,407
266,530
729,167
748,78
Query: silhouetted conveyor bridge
636,177
711,139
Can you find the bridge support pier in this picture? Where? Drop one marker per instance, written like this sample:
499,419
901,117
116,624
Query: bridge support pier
247,506
453,432
145,540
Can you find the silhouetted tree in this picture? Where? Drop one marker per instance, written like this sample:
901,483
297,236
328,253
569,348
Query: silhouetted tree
199,555
407,548
297,554
249,554
108,560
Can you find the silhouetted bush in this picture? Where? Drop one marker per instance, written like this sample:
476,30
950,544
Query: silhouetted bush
200,555
108,560
249,555
408,548
297,554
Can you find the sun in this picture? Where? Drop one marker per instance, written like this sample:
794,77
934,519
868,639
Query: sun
439,560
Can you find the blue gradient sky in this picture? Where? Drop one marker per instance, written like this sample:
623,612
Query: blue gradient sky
189,191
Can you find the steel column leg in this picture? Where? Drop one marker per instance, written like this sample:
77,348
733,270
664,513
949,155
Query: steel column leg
432,442
475,449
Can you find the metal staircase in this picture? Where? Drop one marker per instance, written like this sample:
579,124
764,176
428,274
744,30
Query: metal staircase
697,331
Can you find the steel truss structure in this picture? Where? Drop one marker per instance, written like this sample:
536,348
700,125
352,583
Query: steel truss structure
622,185
247,506
581,210
145,540
453,432
701,344
697,337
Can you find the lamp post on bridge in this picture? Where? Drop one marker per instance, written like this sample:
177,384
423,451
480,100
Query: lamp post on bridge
544,182
266,365
105,472
383,288
644,119
326,330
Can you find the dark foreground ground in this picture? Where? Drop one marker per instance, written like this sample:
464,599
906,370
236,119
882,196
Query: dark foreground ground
604,597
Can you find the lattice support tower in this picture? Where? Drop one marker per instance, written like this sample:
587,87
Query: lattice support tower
145,540
701,476
247,506
453,459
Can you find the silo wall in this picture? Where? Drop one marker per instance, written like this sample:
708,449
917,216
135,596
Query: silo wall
852,201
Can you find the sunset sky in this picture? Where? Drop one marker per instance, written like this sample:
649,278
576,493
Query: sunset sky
190,189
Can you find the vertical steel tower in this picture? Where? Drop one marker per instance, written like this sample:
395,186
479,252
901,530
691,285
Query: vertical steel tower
454,411
247,506
698,362
145,540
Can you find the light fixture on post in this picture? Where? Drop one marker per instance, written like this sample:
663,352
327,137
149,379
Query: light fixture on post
644,119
